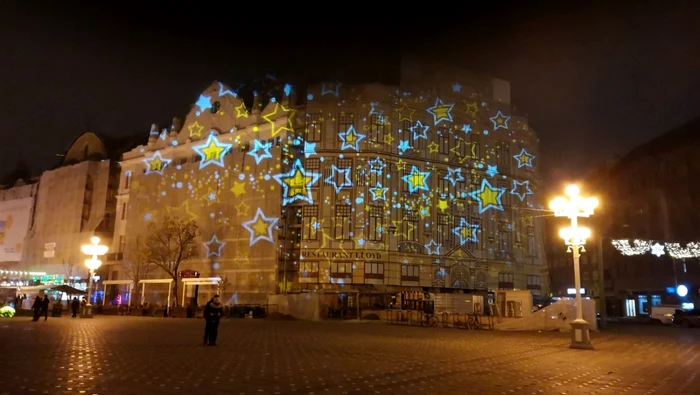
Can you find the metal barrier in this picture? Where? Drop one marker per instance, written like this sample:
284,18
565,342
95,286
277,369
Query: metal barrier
444,319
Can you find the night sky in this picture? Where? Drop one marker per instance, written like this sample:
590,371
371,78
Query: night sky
594,83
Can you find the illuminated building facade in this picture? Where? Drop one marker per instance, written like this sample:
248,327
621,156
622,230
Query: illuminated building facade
219,168
432,184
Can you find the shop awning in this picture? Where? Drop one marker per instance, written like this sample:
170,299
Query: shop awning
68,289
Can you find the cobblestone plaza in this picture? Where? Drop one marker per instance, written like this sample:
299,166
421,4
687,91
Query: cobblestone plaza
130,355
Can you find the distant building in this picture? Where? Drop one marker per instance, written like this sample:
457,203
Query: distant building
73,202
16,216
368,189
650,195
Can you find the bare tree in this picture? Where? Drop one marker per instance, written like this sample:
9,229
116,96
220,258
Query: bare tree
169,243
136,264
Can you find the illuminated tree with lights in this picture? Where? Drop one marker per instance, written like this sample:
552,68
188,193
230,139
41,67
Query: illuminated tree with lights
169,243
136,263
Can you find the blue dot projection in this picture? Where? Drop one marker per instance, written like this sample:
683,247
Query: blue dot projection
357,185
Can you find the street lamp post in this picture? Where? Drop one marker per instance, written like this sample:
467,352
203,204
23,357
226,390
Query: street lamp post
575,237
94,250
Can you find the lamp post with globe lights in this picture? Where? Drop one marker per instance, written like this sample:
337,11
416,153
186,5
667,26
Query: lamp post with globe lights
94,250
575,237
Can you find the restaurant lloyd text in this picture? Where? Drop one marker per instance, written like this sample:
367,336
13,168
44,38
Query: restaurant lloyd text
341,255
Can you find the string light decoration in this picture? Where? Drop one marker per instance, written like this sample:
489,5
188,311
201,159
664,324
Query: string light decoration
640,247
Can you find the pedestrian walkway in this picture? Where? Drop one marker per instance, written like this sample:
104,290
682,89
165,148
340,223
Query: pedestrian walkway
134,355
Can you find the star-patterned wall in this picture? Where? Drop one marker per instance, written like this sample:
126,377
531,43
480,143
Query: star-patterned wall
365,187
432,187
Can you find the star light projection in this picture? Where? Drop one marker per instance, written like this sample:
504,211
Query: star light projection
214,246
351,139
259,146
441,112
466,232
500,121
380,186
524,159
156,164
488,197
416,180
212,151
260,227
296,184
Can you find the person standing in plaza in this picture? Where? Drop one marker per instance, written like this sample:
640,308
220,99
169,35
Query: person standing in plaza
74,305
37,308
212,316
45,307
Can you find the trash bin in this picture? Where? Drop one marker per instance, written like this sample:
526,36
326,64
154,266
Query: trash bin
57,310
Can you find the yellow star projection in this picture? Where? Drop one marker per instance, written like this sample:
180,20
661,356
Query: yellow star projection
472,108
488,196
403,111
297,184
284,112
156,164
238,188
241,111
195,129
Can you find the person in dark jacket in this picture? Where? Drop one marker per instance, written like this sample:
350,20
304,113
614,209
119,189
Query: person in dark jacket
74,305
37,308
212,315
45,307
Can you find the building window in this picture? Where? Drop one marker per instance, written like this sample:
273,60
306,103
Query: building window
375,231
87,202
443,184
410,273
444,141
313,165
409,226
314,127
505,281
342,222
503,150
531,242
345,121
309,222
341,272
377,127
374,273
506,197
505,240
533,282
122,242
444,236
123,211
127,179
308,272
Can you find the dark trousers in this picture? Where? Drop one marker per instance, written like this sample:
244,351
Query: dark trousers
37,312
75,312
211,331
45,313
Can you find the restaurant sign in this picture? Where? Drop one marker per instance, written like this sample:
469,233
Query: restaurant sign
341,254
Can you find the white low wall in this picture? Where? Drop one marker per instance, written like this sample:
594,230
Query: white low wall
557,316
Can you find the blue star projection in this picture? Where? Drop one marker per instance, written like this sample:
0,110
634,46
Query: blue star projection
432,247
441,112
296,184
204,103
419,130
214,246
212,152
378,192
260,151
488,197
454,175
524,159
416,180
260,227
156,164
491,170
500,121
309,149
351,139
339,178
466,232
521,189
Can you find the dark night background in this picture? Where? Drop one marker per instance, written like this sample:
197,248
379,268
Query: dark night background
595,81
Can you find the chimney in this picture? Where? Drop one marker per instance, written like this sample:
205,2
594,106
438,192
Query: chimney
176,127
153,135
256,103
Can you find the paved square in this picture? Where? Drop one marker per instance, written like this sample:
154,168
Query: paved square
133,355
